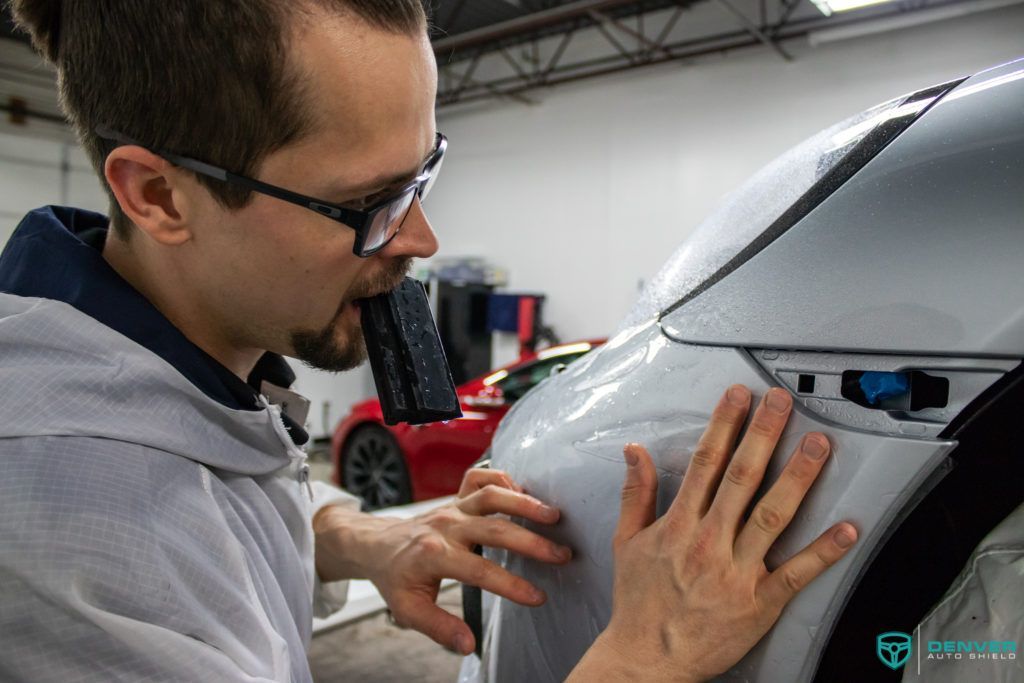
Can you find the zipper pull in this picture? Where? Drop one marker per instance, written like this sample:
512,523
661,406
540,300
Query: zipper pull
304,479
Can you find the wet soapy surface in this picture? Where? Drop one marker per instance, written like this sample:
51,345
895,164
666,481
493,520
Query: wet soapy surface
564,440
749,210
564,443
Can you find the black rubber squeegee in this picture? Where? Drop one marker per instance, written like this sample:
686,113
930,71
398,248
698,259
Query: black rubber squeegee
413,380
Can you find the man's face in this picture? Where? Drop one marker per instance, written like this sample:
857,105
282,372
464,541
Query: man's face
283,278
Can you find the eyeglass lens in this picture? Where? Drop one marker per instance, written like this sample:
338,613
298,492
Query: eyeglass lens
432,170
387,221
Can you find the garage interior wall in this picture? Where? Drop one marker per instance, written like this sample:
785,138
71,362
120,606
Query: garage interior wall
33,173
584,195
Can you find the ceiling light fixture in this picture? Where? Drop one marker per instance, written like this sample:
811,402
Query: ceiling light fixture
827,7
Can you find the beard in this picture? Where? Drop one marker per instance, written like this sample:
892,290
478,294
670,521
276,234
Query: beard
339,345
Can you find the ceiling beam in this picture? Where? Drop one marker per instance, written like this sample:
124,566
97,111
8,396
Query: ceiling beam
639,35
526,24
753,29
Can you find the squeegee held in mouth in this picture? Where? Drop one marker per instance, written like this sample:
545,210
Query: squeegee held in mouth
413,380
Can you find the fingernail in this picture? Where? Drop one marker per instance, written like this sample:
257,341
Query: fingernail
538,596
739,396
463,644
631,458
548,512
814,448
844,539
778,401
562,553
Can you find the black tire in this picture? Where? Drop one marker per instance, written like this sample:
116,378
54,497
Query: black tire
373,468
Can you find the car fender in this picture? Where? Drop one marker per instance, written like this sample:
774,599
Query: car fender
564,443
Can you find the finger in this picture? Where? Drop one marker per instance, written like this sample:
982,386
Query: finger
775,510
501,533
421,613
781,585
478,477
745,471
708,460
474,570
639,493
492,499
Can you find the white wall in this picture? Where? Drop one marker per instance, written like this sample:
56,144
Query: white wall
31,176
587,193
331,395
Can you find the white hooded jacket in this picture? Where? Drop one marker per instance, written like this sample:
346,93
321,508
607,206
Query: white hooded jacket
147,532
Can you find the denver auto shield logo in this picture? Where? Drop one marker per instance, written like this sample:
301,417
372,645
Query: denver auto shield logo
893,648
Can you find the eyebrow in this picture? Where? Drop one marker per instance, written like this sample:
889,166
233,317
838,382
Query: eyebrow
383,182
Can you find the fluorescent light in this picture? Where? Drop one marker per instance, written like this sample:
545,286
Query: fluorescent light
496,377
902,21
827,7
582,347
985,85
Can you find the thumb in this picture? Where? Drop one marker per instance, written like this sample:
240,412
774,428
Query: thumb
639,493
422,614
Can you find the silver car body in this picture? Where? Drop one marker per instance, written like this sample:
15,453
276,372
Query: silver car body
908,260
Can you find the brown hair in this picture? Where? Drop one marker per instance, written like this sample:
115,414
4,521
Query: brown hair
204,78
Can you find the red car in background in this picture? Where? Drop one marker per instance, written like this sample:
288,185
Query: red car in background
392,465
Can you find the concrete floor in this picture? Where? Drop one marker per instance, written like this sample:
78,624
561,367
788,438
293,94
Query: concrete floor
373,651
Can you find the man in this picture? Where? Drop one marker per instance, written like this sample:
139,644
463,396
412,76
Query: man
266,163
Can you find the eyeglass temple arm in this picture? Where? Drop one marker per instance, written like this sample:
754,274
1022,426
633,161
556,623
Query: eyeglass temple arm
218,173
177,160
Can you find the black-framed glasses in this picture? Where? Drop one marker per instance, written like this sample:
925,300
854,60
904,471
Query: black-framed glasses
375,226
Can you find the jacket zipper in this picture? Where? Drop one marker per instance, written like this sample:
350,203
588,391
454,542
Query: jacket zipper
302,473
304,479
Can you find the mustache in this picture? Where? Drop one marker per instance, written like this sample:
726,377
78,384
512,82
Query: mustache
384,281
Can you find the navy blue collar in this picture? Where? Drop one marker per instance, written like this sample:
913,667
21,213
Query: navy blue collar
55,253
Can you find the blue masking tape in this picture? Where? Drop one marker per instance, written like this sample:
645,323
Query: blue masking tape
878,386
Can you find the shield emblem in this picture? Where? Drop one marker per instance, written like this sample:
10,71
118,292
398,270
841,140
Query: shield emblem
893,648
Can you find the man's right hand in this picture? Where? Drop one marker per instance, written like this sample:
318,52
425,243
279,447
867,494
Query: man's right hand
692,593
408,558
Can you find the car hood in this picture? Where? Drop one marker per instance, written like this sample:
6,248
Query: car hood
918,251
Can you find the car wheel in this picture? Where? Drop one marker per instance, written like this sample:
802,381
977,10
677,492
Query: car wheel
373,468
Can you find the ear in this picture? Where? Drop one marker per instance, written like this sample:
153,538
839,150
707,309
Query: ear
152,193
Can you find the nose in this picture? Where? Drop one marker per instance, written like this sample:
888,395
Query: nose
415,238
